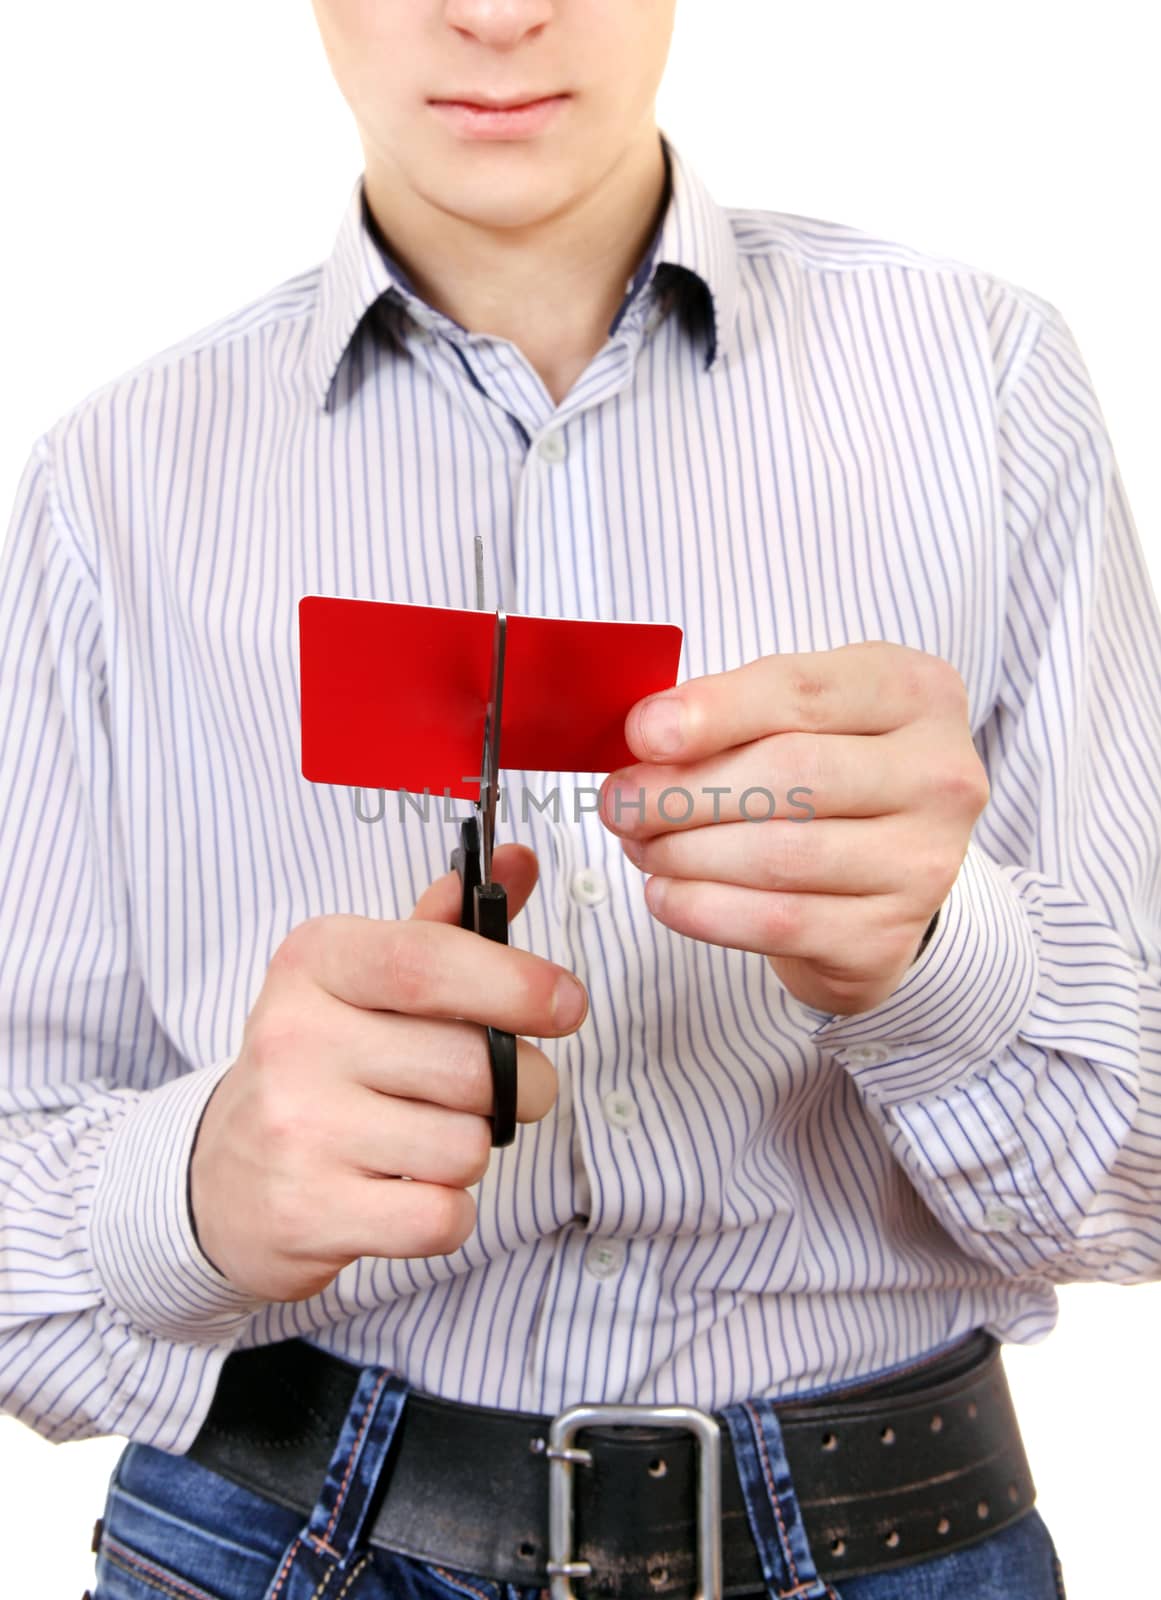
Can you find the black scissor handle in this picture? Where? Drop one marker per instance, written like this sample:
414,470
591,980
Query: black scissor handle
484,909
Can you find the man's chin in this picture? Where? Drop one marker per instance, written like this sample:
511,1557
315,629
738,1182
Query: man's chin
503,200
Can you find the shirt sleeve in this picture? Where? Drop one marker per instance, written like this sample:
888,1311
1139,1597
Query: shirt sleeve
112,1321
1016,1072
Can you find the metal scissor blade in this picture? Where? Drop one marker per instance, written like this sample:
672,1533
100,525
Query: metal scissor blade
490,765
478,543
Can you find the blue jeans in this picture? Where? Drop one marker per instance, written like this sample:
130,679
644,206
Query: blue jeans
175,1529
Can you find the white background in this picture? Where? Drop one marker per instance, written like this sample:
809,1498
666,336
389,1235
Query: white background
165,163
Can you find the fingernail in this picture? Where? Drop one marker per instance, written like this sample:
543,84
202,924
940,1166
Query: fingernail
661,726
568,1001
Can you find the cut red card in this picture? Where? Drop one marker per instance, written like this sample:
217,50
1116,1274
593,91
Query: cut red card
394,696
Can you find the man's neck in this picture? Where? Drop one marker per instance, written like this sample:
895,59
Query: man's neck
552,289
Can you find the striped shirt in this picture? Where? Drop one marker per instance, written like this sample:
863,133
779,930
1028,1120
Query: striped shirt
796,435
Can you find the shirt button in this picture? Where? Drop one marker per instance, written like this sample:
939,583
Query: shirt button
589,887
866,1055
552,447
620,1109
1000,1217
604,1258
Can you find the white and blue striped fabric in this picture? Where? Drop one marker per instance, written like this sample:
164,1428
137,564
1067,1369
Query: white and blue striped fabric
796,436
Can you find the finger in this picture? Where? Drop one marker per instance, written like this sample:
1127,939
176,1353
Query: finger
413,1139
842,933
393,1217
871,686
429,969
789,775
447,1064
824,856
513,865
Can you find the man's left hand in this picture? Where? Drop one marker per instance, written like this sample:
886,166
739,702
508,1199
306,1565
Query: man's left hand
878,737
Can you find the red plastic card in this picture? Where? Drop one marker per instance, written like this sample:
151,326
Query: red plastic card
394,696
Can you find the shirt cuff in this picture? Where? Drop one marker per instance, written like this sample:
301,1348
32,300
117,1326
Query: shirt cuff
145,1252
959,1004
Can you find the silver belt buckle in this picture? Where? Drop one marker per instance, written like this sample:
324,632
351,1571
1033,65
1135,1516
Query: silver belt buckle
563,1456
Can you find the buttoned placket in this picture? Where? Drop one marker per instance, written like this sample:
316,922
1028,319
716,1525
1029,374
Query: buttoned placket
594,1269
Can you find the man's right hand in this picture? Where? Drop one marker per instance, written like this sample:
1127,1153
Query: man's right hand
357,1113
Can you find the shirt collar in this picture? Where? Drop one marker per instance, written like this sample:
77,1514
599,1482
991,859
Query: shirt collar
695,240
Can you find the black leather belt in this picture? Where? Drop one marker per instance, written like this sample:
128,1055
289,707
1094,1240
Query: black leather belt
887,1473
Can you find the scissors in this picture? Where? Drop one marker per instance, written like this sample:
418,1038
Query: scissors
484,903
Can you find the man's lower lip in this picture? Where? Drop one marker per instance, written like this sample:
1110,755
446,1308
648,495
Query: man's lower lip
479,122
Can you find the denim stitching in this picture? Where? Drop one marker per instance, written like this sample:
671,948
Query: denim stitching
461,1584
352,1575
323,1548
326,1582
157,1577
147,1578
286,1566
774,1502
330,1527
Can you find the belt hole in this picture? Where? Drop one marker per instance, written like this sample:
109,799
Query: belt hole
982,1509
658,1576
838,1546
887,1434
892,1539
830,1441
657,1468
1013,1493
943,1526
936,1423
527,1548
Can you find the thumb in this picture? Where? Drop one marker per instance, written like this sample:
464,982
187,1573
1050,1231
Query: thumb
513,865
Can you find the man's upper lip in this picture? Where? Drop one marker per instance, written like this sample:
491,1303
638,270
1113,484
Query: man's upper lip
489,103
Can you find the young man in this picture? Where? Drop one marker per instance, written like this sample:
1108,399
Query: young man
832,1107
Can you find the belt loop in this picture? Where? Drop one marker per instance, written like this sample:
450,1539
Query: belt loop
333,1535
772,1504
